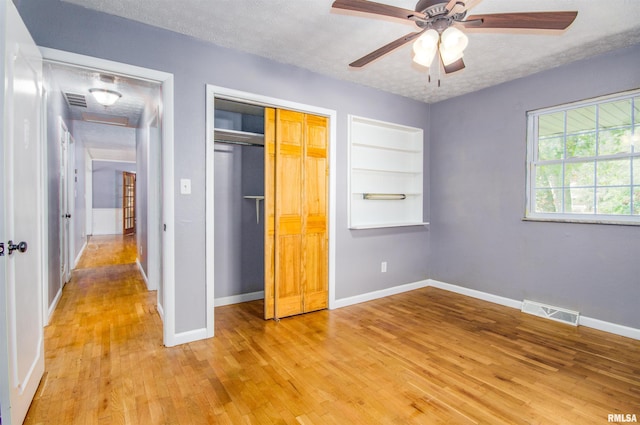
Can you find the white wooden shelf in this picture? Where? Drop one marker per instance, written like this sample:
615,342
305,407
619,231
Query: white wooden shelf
384,225
385,158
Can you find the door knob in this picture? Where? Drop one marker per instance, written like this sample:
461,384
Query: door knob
22,247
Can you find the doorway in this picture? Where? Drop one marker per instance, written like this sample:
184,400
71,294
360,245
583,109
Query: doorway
128,203
161,204
214,93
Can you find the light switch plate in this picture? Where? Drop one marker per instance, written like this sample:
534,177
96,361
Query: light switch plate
185,186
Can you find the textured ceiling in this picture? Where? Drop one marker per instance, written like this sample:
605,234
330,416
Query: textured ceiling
309,34
104,141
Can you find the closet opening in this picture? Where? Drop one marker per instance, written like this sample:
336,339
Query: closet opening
239,201
297,216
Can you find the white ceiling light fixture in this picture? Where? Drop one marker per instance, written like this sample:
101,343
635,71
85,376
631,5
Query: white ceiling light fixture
451,43
105,97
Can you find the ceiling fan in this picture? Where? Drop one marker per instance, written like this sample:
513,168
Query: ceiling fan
439,22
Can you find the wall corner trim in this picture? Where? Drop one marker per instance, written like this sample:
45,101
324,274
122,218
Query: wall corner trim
589,322
186,337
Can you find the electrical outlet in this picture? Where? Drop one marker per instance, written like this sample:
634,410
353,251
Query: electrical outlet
383,267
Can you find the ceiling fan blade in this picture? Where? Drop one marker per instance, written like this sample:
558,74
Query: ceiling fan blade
377,9
455,6
385,49
526,20
454,67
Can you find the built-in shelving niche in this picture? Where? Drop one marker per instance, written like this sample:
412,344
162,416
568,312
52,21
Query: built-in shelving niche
386,174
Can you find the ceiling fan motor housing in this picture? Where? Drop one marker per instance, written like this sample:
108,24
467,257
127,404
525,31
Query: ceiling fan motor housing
437,14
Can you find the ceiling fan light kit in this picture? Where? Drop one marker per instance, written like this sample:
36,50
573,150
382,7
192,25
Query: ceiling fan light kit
439,24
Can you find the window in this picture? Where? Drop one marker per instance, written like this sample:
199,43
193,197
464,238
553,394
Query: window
583,161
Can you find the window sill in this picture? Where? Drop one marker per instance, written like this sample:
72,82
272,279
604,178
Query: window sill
585,220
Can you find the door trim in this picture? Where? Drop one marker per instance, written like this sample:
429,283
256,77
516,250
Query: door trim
247,97
167,305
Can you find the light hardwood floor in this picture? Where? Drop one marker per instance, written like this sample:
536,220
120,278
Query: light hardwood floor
423,357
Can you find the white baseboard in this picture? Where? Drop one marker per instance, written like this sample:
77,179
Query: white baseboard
589,322
144,276
344,302
53,306
187,337
160,311
613,328
508,302
236,299
77,260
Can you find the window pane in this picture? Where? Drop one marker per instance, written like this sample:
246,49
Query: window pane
636,114
548,201
551,124
581,119
615,114
614,141
579,174
580,146
614,200
636,201
551,148
614,173
549,176
579,201
636,171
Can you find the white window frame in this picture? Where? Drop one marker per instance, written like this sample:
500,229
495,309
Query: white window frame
533,161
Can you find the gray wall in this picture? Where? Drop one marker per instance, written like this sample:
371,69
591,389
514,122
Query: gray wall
56,109
239,238
80,203
479,241
142,196
107,183
194,63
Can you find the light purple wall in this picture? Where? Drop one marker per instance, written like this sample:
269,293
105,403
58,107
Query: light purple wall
79,193
479,241
194,64
107,182
56,109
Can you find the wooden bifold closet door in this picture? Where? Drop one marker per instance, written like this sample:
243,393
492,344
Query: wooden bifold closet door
296,193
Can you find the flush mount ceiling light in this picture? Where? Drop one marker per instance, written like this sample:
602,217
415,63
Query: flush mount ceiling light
105,97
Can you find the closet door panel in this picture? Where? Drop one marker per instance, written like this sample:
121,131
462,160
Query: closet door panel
289,212
269,210
315,249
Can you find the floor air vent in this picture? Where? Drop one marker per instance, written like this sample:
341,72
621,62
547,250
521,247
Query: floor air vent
550,312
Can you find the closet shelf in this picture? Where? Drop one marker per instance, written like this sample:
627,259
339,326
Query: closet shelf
235,136
380,170
386,148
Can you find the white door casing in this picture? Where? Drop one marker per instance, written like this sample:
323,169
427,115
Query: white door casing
22,204
63,137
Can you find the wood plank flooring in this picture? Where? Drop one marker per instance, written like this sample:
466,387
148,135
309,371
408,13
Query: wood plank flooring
423,357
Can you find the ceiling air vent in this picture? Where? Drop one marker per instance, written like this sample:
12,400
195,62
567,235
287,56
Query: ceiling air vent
76,100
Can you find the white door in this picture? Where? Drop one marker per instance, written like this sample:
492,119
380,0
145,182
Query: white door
64,203
23,359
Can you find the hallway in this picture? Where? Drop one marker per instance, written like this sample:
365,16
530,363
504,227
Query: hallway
105,325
